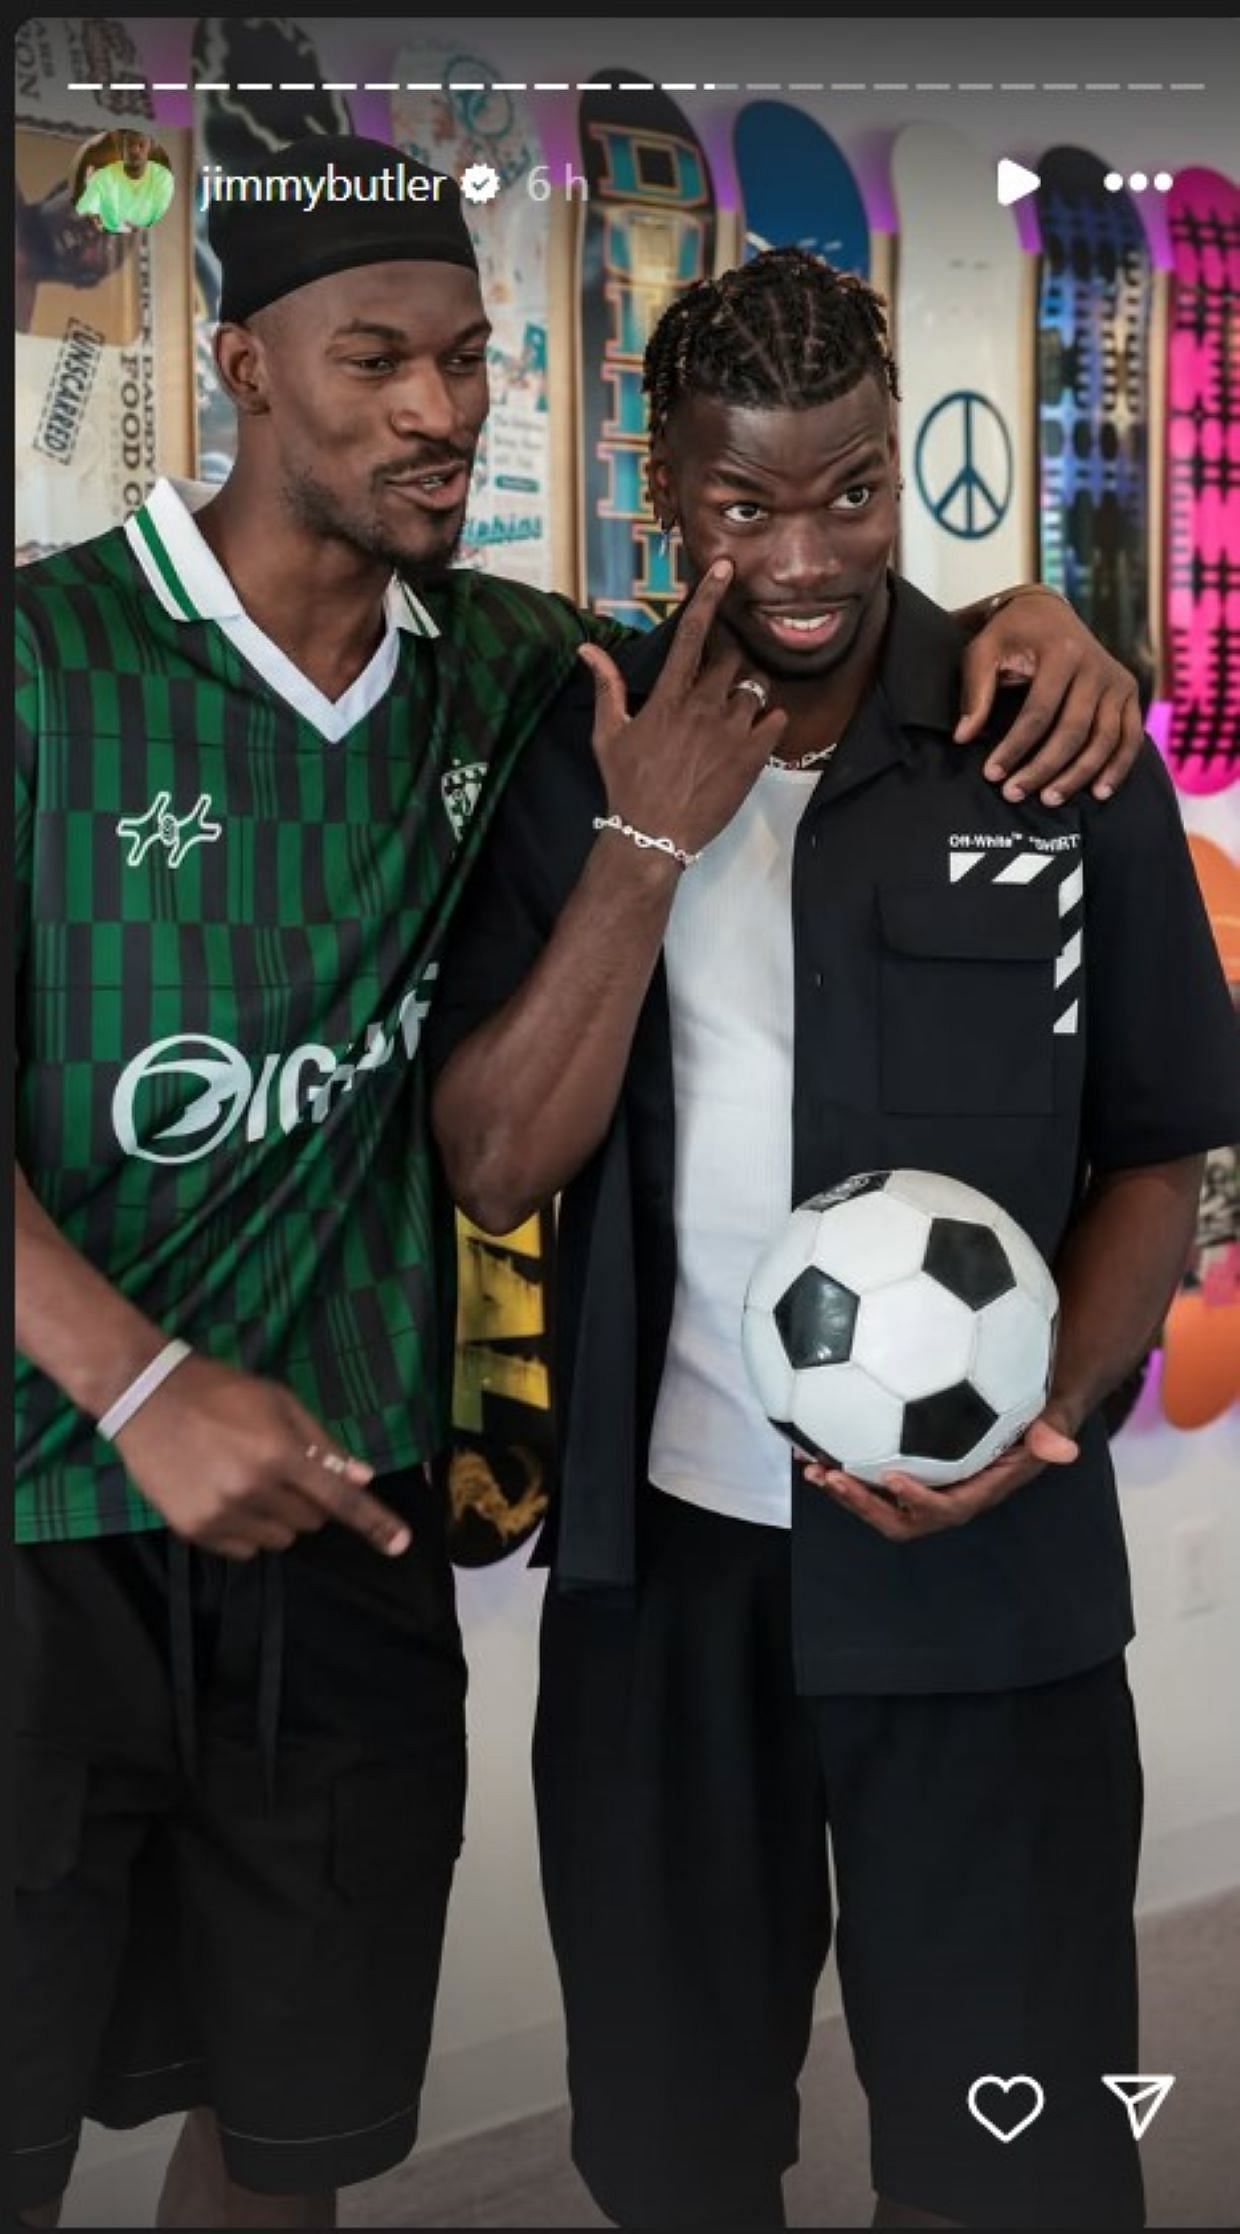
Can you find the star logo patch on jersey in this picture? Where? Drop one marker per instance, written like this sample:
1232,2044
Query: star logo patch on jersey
160,827
460,787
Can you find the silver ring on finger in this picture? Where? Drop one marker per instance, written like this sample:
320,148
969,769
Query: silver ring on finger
755,689
327,1459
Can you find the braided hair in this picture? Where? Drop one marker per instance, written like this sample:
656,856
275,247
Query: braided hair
784,331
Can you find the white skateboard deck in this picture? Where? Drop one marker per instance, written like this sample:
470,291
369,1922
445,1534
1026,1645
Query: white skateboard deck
964,346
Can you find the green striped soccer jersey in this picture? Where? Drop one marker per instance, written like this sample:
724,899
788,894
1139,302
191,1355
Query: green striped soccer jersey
231,896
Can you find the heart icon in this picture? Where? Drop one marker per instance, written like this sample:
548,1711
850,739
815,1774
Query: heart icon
1011,2124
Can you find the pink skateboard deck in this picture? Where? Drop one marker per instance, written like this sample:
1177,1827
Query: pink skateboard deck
1203,484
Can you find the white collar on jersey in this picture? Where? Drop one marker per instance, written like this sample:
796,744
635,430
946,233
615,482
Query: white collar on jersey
190,584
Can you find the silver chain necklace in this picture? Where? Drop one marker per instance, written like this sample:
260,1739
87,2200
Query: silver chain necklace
811,759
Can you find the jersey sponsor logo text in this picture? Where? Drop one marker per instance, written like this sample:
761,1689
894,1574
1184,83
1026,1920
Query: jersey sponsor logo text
285,1091
160,827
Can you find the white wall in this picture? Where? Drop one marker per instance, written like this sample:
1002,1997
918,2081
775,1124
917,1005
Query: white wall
1185,1666
498,2047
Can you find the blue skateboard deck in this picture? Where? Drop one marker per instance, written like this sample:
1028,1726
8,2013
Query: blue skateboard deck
797,190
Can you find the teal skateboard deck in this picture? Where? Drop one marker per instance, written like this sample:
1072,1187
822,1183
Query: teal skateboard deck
647,233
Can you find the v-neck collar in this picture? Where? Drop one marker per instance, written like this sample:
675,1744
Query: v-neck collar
191,585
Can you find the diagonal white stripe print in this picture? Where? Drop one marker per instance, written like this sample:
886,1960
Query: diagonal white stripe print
1069,960
1023,868
1071,889
1066,1024
961,863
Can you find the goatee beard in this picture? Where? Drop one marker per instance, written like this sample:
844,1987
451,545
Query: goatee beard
431,574
318,511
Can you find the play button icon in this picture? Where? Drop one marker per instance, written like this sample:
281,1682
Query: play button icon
1014,181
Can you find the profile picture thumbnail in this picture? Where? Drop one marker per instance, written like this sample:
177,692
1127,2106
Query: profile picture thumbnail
122,181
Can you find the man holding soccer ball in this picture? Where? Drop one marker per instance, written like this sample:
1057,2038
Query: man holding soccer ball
750,922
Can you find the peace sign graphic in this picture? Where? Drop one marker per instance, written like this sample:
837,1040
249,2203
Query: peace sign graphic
963,465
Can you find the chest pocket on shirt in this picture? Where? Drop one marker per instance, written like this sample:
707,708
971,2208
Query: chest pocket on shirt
968,998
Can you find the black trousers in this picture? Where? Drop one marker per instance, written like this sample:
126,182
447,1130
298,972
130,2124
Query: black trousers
240,1792
983,1850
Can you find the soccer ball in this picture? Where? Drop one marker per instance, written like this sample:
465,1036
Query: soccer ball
901,1320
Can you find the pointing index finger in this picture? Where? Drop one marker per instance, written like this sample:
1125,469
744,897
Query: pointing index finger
334,1483
688,650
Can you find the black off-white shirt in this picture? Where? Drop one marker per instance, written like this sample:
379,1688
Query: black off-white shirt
1014,995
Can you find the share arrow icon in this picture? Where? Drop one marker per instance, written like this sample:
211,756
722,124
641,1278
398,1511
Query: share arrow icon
1142,2094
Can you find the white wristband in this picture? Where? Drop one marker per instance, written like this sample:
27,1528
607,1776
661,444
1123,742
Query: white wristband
647,844
130,1400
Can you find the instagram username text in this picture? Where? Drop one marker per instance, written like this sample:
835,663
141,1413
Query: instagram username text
396,182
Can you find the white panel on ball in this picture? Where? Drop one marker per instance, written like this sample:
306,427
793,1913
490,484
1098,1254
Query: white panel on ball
941,1197
766,1362
1012,1352
846,1413
871,1240
914,1337
932,1473
787,1254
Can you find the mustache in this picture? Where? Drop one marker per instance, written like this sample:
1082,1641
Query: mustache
427,461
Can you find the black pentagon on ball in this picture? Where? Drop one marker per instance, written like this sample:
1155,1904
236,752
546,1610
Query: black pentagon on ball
804,1442
815,1317
945,1425
968,1260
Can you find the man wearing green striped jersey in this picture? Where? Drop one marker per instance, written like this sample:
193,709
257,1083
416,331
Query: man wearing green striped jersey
261,734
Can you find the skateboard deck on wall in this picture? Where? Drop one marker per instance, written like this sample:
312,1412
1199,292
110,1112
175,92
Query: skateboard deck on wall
1201,1370
646,234
500,1466
1203,484
1095,295
232,129
797,191
508,523
962,325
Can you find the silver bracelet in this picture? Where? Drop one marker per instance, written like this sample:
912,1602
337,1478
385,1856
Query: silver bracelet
130,1400
640,838
1001,598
